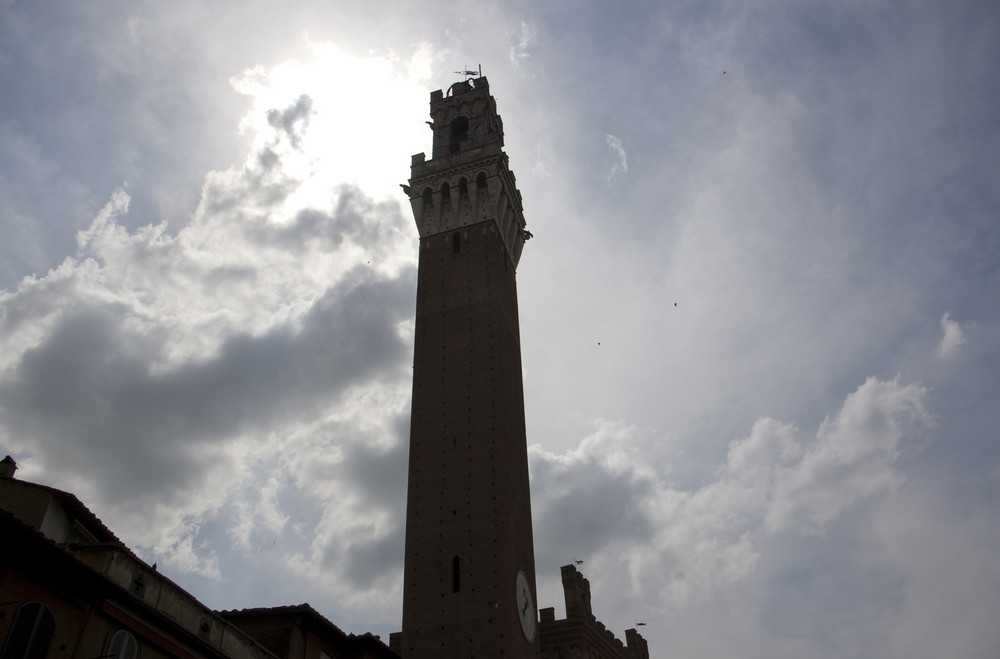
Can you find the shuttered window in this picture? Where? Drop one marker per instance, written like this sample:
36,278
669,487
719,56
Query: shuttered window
31,633
122,646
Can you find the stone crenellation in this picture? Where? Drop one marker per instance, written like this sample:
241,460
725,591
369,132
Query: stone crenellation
580,634
469,179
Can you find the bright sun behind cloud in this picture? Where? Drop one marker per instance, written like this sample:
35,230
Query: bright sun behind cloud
357,112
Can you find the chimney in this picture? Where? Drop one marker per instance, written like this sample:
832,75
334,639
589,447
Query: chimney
7,467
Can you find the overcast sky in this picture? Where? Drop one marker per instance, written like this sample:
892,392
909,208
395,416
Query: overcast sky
760,316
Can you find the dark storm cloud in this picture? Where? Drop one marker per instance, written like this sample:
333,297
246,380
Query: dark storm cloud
151,369
348,220
380,471
375,471
264,185
324,507
232,391
584,503
365,562
90,383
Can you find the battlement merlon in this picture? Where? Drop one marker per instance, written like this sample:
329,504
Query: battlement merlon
468,180
576,592
638,648
482,126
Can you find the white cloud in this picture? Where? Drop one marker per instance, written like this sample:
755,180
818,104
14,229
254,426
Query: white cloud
518,52
172,379
362,114
423,62
620,165
852,458
683,546
260,511
953,339
181,553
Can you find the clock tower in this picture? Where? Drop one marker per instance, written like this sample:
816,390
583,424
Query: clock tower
469,576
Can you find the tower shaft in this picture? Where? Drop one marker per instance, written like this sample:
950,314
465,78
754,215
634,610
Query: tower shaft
469,568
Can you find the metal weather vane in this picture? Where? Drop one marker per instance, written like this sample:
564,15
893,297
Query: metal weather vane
469,73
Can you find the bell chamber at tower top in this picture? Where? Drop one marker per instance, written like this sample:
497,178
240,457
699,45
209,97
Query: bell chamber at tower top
467,181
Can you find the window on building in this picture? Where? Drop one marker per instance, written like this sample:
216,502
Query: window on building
455,574
456,243
428,196
122,645
31,633
481,180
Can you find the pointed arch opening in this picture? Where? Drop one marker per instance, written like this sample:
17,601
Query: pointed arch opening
458,130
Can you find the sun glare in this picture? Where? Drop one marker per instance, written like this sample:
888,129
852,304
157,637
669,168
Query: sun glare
360,129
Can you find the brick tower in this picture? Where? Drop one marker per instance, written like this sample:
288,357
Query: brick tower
469,577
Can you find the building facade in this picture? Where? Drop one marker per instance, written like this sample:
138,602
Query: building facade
469,576
303,632
70,589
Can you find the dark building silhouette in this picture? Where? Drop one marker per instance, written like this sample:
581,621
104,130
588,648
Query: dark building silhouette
580,634
469,576
303,632
70,588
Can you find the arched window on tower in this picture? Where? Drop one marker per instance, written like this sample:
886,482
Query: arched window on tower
481,180
456,569
445,195
457,131
428,196
463,188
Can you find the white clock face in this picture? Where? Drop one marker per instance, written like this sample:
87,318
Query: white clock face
525,606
